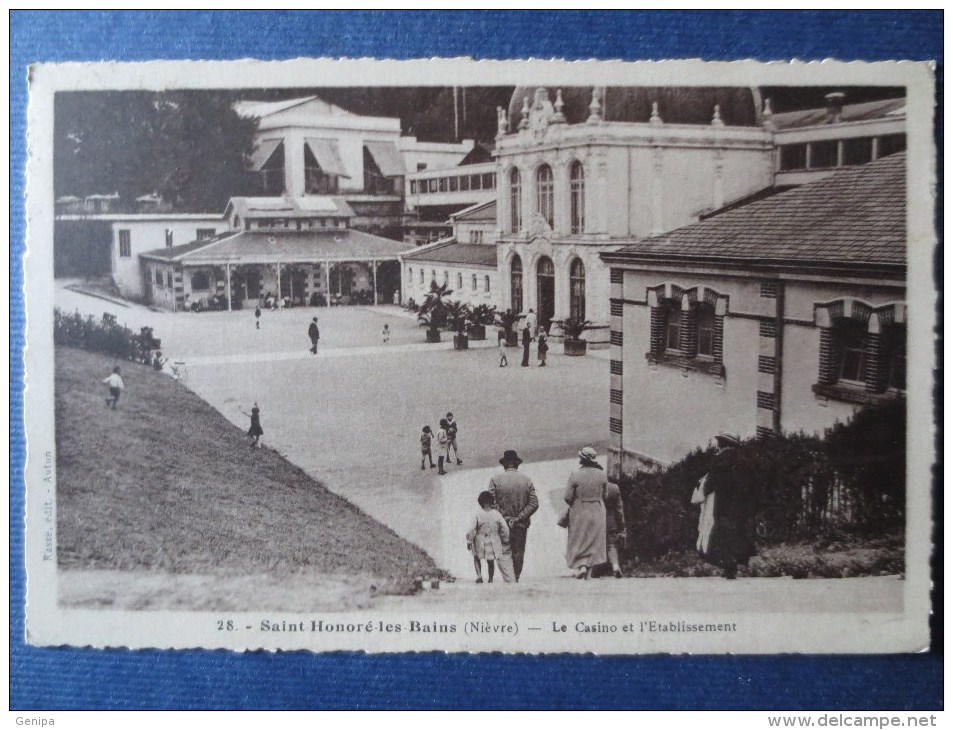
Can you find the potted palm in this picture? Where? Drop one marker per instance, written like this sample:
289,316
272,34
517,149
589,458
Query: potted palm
507,320
433,312
573,344
479,317
457,315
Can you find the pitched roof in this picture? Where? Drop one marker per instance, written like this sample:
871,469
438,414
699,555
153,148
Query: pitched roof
283,246
261,109
481,212
306,206
885,108
856,217
451,252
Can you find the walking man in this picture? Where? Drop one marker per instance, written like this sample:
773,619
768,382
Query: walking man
516,500
315,335
527,338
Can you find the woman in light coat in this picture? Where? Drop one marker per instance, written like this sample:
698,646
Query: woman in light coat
586,494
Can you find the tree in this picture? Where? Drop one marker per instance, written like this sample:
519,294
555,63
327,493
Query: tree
190,147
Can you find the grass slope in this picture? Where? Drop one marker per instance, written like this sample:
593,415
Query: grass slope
165,483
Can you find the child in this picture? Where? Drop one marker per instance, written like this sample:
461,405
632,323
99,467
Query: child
116,387
258,317
452,439
487,537
426,437
541,349
255,429
443,444
501,343
385,335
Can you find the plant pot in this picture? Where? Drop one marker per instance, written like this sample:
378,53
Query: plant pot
461,342
476,332
433,335
574,348
512,339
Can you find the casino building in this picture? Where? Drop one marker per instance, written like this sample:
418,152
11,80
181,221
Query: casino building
583,172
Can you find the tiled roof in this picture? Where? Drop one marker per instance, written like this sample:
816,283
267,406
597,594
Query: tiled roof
285,247
854,217
850,113
451,252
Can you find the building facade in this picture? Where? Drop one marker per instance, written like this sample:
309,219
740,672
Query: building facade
784,315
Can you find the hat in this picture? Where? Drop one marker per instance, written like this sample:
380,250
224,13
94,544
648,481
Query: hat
510,457
588,454
725,440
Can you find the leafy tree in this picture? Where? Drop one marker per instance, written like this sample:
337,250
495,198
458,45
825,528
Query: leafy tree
190,147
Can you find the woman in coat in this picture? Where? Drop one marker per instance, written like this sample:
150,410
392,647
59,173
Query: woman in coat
585,495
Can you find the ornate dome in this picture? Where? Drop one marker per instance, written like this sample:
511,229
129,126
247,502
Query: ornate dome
738,106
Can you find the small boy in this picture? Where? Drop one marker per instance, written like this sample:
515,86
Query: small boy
443,447
385,335
426,437
116,387
487,538
501,343
258,317
542,348
452,439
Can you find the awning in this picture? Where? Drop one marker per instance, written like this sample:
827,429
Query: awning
265,150
325,151
387,157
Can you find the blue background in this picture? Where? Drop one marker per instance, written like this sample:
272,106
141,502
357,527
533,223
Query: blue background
76,678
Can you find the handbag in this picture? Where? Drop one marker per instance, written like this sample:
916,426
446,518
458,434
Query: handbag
563,520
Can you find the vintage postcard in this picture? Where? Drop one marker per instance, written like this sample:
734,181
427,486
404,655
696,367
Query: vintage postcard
526,356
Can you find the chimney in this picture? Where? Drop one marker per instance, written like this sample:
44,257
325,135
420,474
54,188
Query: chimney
835,105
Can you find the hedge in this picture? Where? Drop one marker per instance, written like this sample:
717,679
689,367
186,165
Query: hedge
104,335
849,483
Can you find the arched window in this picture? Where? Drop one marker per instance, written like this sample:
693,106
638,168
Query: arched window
577,290
577,198
486,284
421,276
200,281
459,281
544,193
433,275
473,283
545,292
446,278
516,285
516,202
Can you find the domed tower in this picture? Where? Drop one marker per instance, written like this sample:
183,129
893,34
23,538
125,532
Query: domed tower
738,106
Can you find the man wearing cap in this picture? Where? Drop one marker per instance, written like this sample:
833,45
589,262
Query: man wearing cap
516,500
726,522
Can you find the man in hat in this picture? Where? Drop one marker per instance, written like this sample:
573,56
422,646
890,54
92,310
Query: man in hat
516,500
726,524
527,338
314,334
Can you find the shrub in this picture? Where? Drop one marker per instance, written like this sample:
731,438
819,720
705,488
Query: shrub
106,336
849,483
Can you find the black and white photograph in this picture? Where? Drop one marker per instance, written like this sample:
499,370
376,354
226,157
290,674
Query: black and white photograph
519,357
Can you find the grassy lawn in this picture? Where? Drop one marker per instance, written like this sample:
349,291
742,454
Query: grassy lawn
165,483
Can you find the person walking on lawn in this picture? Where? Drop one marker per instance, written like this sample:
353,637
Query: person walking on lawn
116,387
254,430
527,338
314,334
452,439
516,500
